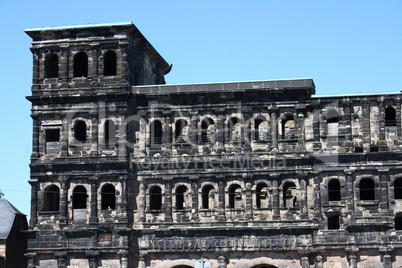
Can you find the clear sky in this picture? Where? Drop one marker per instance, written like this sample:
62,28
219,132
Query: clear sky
345,46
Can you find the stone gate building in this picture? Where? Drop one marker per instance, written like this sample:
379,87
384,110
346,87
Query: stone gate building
129,172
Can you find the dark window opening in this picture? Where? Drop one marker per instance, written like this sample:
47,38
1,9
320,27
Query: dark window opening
208,197
289,195
133,127
109,133
181,192
234,194
155,198
288,128
79,197
179,127
261,193
358,149
156,132
81,65
398,221
332,116
52,135
334,190
52,198
52,66
207,131
390,116
234,129
333,222
109,63
367,191
80,131
398,188
108,197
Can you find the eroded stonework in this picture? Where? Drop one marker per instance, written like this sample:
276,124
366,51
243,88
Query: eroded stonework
128,172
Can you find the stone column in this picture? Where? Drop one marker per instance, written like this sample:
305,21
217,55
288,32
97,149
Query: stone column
61,259
35,137
92,257
141,262
317,197
194,200
382,143
168,200
384,183
35,71
249,203
63,200
34,202
123,258
300,130
350,192
352,261
221,200
305,263
366,125
63,67
274,130
94,200
94,137
141,202
347,121
303,195
316,131
193,131
318,262
167,133
222,263
64,139
275,197
123,204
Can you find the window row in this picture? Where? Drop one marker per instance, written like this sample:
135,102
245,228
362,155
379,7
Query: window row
80,64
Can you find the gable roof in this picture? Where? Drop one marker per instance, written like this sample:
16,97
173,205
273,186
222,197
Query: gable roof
8,213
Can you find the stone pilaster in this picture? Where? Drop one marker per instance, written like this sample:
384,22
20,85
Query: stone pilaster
194,200
123,208
141,203
94,200
305,262
274,130
275,197
34,202
249,203
347,122
222,261
382,143
92,258
63,200
221,200
31,259
168,200
61,259
35,138
123,258
366,125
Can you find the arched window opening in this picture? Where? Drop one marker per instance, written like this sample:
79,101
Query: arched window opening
334,190
181,196
390,116
333,222
156,132
235,196
208,197
398,188
81,65
109,133
398,221
155,198
52,66
179,131
79,197
332,123
207,131
52,198
289,195
108,194
264,266
234,129
260,130
262,195
367,190
132,129
288,128
80,131
109,63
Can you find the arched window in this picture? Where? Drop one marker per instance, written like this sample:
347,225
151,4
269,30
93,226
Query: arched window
81,65
155,198
261,195
289,195
109,133
398,221
52,198
52,66
333,222
332,123
234,129
288,127
156,132
208,197
207,131
133,127
334,190
367,190
108,194
260,130
109,63
398,188
390,116
178,132
79,197
235,195
80,131
181,193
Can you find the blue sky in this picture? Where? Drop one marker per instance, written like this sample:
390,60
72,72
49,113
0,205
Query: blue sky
345,46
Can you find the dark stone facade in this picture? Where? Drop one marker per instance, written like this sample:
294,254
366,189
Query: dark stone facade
128,172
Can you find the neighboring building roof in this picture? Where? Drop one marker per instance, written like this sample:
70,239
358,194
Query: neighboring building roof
8,212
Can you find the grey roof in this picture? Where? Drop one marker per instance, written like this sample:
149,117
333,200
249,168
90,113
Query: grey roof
8,213
80,26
